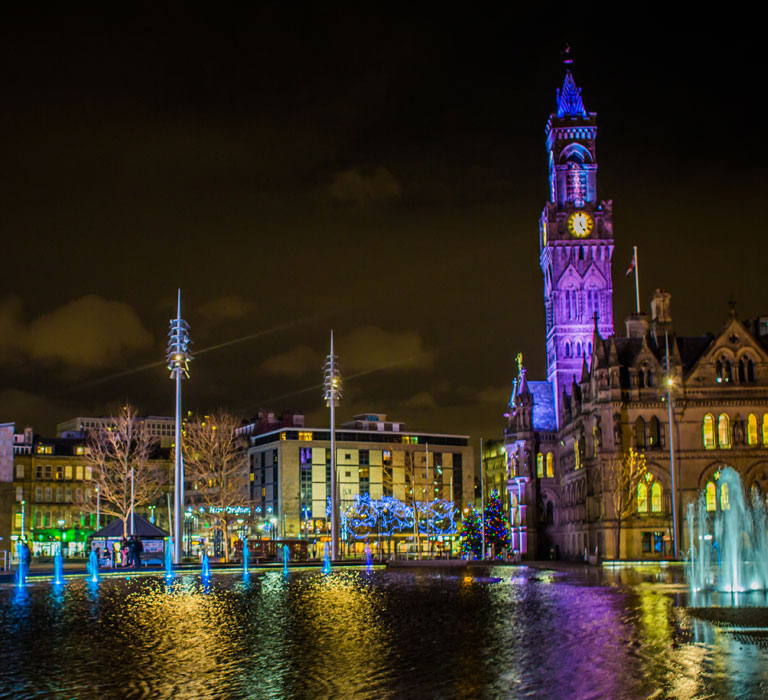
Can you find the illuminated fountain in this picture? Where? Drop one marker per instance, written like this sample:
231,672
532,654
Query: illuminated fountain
169,559
368,558
93,567
729,542
58,568
326,560
286,557
21,572
206,568
246,556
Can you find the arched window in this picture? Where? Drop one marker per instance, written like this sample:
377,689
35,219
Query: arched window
540,465
59,494
642,498
550,466
39,494
48,494
654,433
550,513
68,494
711,496
725,504
578,349
47,519
752,429
567,348
742,375
724,431
571,304
765,429
656,497
750,370
38,518
640,432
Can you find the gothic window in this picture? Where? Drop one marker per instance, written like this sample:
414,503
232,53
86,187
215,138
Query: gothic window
709,430
540,465
711,496
640,432
654,433
39,494
578,349
567,348
593,302
550,466
642,498
750,370
724,431
765,429
656,497
742,375
589,348
723,370
550,513
571,304
752,429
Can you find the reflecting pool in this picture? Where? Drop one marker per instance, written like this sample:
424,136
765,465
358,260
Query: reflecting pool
500,632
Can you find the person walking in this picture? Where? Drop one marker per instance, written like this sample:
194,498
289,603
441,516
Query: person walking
139,548
124,552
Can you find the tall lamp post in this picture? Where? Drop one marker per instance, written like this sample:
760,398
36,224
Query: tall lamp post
178,357
332,394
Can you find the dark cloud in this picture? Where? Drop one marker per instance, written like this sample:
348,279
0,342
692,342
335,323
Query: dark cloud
353,187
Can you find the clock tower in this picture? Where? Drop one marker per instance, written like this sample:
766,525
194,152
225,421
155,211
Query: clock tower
576,242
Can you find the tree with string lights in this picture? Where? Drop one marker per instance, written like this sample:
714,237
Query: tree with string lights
496,525
471,539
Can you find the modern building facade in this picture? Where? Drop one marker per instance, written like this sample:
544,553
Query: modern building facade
290,470
605,393
160,427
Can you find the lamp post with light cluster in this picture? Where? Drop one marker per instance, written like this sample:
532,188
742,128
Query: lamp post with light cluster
332,394
178,357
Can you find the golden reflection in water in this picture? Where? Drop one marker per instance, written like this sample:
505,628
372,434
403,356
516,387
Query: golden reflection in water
344,617
185,628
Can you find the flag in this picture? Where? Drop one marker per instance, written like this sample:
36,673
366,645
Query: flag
631,267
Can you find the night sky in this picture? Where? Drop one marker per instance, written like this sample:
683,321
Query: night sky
375,169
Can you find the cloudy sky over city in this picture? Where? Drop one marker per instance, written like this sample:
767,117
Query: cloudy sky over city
376,170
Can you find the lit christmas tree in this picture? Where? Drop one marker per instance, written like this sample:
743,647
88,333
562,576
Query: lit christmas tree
496,525
471,541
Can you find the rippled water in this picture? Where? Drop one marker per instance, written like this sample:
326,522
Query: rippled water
496,633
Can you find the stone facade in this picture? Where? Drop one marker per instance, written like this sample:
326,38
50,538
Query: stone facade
606,394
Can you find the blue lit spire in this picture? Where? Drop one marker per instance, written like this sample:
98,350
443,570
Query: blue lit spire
569,102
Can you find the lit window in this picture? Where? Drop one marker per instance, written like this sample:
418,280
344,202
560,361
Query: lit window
711,496
283,436
19,471
656,497
79,473
709,430
752,429
724,502
576,455
724,431
642,498
765,429
303,435
540,465
550,466
67,472
88,473
17,521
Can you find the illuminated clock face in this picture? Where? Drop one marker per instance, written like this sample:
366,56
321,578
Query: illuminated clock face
580,224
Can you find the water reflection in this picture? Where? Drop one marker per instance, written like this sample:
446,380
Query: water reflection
494,633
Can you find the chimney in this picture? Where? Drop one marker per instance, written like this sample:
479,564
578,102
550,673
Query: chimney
637,325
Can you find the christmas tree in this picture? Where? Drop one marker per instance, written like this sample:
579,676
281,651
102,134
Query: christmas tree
471,540
496,525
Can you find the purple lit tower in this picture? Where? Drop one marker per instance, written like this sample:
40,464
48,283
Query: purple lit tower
576,241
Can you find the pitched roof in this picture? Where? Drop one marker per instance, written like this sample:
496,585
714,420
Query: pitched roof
143,528
569,102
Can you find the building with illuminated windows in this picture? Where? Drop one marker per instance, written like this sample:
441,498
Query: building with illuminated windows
290,470
606,393
160,427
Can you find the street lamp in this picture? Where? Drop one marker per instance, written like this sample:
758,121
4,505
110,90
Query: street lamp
178,357
332,394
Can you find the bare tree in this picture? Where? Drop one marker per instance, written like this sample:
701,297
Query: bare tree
621,477
216,463
119,453
416,506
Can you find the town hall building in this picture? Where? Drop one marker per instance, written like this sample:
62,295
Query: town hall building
608,391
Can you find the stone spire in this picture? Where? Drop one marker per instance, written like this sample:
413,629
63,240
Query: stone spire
569,102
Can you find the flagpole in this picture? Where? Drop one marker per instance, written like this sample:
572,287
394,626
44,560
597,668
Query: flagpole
637,281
